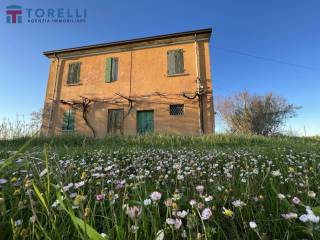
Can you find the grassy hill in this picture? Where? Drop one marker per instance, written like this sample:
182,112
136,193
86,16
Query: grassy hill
160,187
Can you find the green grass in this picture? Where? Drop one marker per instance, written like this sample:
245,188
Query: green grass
37,203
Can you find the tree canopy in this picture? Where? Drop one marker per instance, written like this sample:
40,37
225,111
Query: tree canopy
253,114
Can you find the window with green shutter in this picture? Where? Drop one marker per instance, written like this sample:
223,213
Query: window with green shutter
111,70
175,62
68,120
74,73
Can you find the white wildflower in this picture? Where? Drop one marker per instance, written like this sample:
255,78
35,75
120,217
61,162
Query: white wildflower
253,225
309,217
238,203
296,200
103,235
155,196
43,172
206,214
134,228
147,202
311,194
73,195
180,177
182,214
55,204
3,181
304,218
289,215
276,173
208,198
178,223
160,235
78,184
170,221
18,222
193,202
200,188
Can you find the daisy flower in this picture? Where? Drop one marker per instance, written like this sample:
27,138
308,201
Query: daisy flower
155,196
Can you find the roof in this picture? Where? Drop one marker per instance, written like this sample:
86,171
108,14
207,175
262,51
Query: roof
124,42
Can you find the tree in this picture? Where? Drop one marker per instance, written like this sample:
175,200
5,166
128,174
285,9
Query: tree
36,120
253,114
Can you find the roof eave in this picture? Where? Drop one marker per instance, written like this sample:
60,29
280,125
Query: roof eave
137,40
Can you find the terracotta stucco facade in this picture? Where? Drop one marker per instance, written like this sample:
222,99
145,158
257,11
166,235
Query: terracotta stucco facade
143,84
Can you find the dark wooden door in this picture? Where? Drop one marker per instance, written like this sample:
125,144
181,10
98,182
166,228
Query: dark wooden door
115,121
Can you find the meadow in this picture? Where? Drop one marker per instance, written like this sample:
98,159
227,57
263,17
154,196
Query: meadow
160,187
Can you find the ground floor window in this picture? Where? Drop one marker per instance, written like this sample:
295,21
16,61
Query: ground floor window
176,109
68,120
115,121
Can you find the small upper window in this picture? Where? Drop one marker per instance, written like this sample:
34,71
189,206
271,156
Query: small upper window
177,109
111,70
175,62
74,73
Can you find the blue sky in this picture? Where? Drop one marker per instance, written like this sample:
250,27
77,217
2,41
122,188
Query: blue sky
286,30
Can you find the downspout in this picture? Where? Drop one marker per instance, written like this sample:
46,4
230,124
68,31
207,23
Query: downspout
54,93
130,72
201,130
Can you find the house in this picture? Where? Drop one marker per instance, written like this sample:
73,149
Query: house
158,84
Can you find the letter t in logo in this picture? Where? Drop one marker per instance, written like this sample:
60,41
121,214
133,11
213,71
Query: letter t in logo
14,13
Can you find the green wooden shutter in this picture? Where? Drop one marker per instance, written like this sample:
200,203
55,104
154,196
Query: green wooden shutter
112,121
108,70
68,120
73,73
171,62
109,121
149,119
70,73
145,122
115,120
71,120
114,73
119,118
76,72
65,120
140,122
179,64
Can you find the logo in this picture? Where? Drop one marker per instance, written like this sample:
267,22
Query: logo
14,14
45,15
